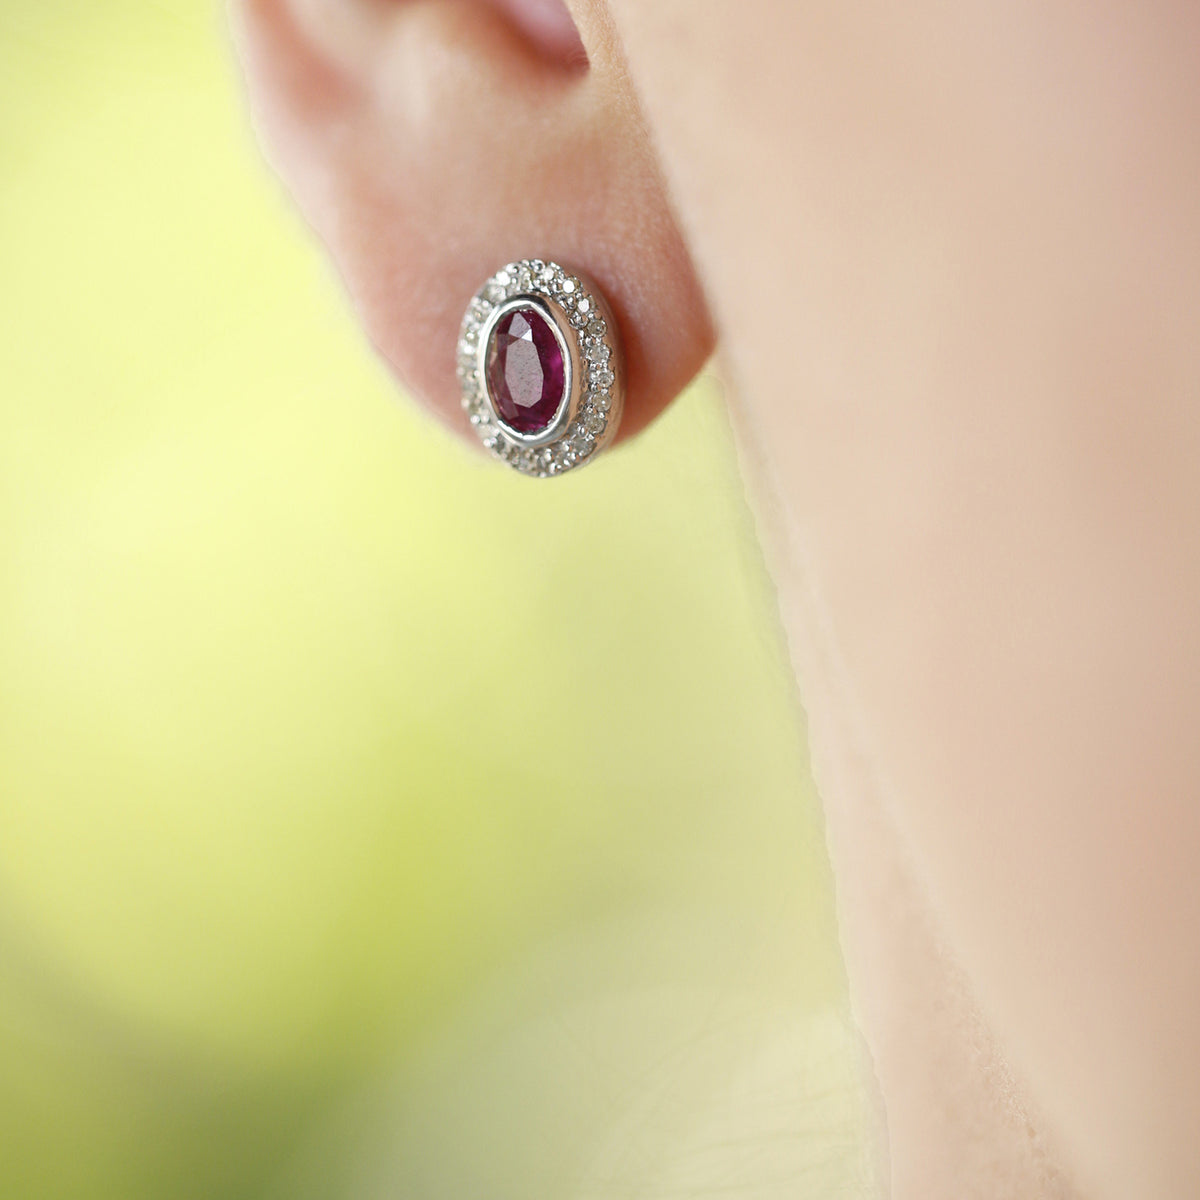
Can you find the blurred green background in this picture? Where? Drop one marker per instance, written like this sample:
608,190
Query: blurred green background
373,822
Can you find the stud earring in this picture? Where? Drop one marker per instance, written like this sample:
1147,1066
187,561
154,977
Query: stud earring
540,365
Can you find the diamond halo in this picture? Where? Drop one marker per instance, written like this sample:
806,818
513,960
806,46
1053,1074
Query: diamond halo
584,328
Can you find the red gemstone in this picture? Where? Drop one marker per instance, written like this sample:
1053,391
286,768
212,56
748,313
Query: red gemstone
526,378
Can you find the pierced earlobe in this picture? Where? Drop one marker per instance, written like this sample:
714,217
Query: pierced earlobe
427,143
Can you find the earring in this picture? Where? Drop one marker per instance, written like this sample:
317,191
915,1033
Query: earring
541,369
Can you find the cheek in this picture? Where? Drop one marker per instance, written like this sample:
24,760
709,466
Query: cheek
971,371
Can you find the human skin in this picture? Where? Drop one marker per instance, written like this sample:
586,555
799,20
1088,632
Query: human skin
954,260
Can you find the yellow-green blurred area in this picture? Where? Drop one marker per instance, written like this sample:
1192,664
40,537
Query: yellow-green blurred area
373,822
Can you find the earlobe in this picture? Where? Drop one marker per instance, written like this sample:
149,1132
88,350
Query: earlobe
429,142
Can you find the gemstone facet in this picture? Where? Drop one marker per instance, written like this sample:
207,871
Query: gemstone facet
526,374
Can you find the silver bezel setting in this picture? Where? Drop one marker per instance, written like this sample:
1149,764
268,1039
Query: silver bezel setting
562,418
583,324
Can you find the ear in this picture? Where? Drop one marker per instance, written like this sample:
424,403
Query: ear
428,142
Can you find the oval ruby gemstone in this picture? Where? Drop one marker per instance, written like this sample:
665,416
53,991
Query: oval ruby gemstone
526,376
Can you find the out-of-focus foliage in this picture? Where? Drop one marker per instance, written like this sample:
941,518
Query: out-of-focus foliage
372,822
